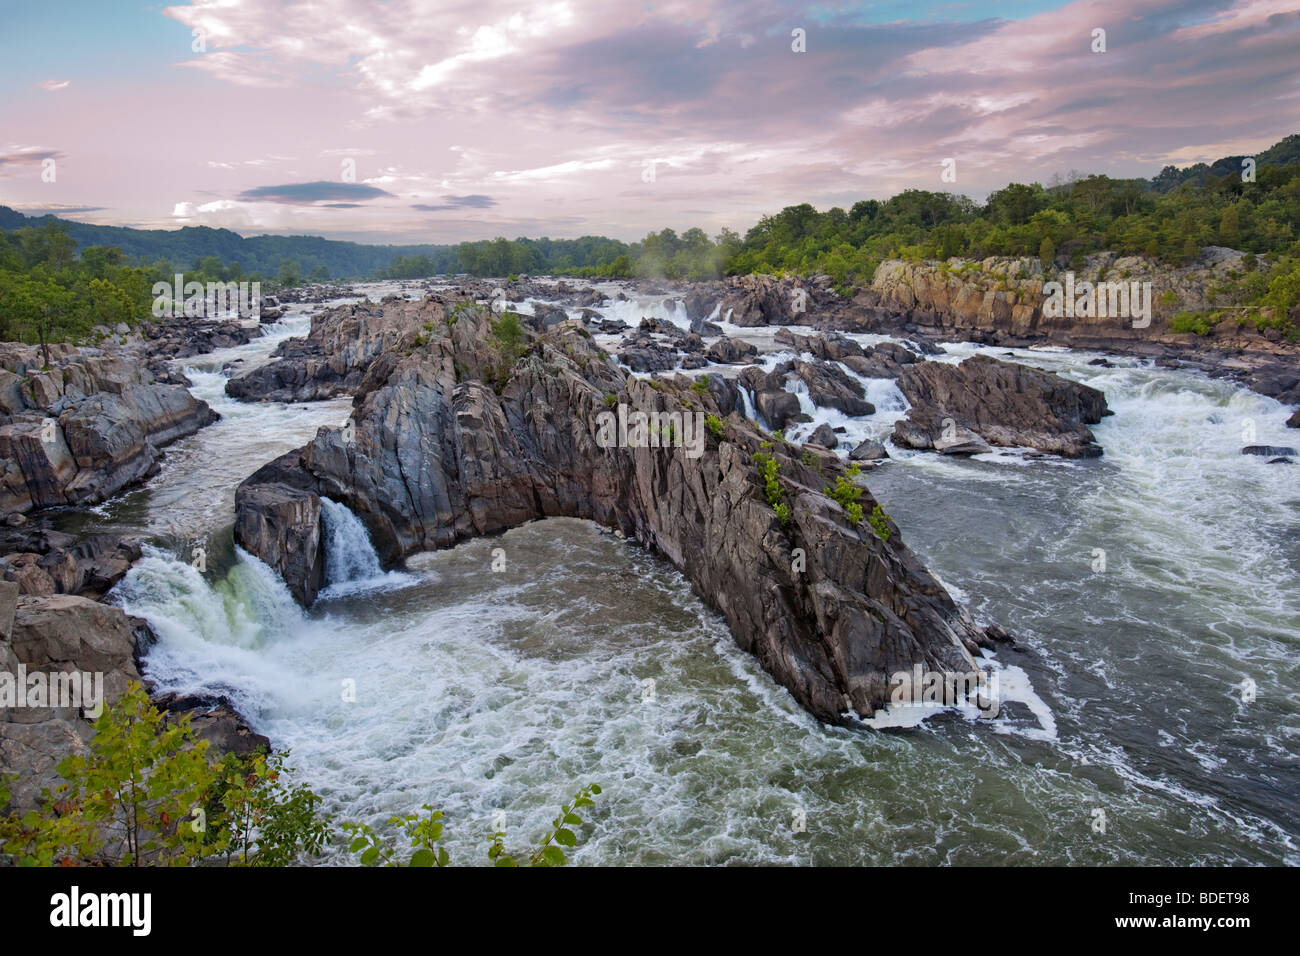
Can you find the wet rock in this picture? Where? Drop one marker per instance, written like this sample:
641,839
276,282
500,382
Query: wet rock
334,357
1294,420
1268,450
869,450
829,386
279,523
437,458
962,409
727,351
824,436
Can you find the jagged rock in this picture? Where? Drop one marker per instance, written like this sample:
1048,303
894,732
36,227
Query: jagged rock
1269,451
181,337
42,561
87,427
727,351
437,458
1294,420
278,522
648,356
962,409
869,450
824,436
830,387
334,357
999,301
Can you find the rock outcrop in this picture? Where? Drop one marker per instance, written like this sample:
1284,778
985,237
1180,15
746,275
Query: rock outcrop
437,456
999,301
83,429
71,635
334,357
42,561
962,409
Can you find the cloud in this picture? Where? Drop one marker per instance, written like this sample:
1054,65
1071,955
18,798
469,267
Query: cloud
53,86
28,156
556,112
307,194
474,201
53,209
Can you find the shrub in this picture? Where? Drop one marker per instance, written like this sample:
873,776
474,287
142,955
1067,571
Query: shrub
714,424
879,522
768,471
423,833
1198,324
847,494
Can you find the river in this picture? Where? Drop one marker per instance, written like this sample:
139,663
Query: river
582,658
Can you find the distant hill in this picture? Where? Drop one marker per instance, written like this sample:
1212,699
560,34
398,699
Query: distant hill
255,253
1282,153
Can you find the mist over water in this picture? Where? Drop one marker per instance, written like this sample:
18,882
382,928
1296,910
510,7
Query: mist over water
480,690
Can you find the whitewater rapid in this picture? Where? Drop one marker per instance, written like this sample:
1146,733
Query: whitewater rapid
502,674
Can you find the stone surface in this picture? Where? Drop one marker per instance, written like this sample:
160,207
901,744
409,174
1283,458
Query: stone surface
963,409
438,457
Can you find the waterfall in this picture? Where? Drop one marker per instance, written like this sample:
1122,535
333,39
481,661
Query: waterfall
212,636
349,555
750,411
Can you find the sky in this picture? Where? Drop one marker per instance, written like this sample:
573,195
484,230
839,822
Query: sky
443,121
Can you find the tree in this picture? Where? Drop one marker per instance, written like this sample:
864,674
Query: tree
1047,252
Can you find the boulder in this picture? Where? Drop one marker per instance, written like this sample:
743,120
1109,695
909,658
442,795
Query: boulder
824,436
963,409
869,450
1269,451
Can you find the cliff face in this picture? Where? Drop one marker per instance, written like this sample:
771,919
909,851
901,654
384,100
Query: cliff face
1001,301
436,456
86,427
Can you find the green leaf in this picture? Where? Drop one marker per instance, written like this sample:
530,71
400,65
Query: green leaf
357,845
370,856
573,819
594,788
553,856
565,837
423,858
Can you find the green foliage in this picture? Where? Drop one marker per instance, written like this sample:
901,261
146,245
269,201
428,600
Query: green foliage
879,522
768,473
1197,323
700,386
611,399
422,834
262,820
142,781
715,426
1047,252
847,494
510,342
146,787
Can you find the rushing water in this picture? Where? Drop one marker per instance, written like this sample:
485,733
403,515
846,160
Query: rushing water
502,674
